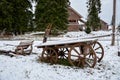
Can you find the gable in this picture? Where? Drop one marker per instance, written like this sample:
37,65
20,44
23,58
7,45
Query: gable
73,15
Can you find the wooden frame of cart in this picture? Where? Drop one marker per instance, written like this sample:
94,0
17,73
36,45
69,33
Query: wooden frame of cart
78,52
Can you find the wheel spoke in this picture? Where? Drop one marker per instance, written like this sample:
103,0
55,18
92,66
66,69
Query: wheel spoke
76,51
93,45
88,59
52,59
88,63
98,50
45,54
78,63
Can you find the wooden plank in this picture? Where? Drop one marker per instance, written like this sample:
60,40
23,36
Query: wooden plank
47,32
63,42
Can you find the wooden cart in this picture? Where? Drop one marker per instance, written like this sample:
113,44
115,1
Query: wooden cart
78,52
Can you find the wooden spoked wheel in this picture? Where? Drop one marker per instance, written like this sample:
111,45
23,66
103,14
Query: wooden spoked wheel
98,50
63,53
49,55
75,56
82,55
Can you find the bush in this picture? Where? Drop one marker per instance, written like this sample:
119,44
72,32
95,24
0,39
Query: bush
119,28
88,30
54,32
64,62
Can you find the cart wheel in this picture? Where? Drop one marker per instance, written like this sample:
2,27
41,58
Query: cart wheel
75,56
79,57
98,50
49,55
63,53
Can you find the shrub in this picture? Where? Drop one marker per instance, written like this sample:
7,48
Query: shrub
88,30
119,28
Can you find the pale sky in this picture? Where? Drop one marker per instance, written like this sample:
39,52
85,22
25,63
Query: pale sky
106,8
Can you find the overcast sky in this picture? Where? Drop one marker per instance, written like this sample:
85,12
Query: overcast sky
106,8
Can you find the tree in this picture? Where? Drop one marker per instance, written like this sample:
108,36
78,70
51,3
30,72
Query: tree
87,30
6,18
15,15
119,28
94,8
22,15
53,12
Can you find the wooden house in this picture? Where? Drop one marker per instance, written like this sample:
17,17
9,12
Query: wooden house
76,22
104,25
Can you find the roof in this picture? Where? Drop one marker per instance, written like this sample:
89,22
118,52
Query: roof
103,21
73,14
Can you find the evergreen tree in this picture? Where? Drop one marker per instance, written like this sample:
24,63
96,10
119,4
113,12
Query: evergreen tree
6,18
94,8
53,12
15,15
119,28
22,15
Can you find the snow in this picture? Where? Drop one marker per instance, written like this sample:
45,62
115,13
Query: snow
68,41
28,68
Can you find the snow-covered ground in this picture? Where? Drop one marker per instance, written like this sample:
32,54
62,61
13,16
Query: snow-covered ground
28,68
